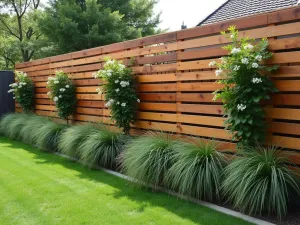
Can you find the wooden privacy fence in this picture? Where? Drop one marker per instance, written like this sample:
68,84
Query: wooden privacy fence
176,83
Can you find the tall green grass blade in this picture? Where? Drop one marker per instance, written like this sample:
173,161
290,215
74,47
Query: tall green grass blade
102,147
197,170
149,157
73,137
260,181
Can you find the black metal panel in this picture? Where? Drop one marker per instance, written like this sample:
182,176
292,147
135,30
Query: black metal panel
7,103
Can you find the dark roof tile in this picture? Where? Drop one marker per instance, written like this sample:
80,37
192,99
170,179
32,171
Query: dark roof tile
239,8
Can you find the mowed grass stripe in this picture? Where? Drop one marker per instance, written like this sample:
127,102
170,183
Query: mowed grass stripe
42,188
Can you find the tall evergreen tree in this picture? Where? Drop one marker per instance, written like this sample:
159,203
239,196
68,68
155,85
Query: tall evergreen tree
80,24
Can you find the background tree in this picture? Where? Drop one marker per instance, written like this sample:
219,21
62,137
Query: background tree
80,24
19,34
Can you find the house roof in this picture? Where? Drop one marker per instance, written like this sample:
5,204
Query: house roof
232,9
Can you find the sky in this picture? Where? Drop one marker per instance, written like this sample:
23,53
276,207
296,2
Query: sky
174,12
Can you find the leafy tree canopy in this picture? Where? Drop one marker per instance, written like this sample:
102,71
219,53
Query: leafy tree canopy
20,37
80,24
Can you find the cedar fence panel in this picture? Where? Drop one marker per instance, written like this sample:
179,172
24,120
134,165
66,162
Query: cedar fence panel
175,83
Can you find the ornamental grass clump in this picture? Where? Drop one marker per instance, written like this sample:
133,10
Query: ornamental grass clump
23,91
48,136
62,92
71,139
197,170
102,148
148,158
30,131
246,84
260,180
11,125
119,91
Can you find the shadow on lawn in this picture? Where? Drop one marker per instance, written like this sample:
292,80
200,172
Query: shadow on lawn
195,213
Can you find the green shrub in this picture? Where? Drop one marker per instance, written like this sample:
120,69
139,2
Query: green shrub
63,93
102,147
48,136
148,158
260,181
72,137
11,124
23,91
30,131
197,170
119,91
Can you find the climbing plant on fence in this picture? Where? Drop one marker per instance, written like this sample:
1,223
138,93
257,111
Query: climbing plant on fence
62,92
23,90
246,83
119,90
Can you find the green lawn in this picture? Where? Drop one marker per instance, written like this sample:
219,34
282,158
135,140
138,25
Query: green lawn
42,188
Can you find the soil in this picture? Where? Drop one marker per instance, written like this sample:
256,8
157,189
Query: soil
293,218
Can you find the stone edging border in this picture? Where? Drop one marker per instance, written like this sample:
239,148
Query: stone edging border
196,201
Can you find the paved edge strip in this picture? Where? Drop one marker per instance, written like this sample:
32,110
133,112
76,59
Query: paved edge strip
196,201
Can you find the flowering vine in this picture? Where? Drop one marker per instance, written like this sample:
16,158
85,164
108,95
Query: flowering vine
23,90
246,84
62,92
119,90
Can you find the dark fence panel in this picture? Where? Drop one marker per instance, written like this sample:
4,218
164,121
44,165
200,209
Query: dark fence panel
7,103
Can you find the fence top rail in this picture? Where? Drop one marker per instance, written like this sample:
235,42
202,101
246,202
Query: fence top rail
258,20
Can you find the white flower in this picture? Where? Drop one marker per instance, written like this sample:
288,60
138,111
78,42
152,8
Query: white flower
118,103
121,67
213,63
25,74
48,93
11,90
99,91
123,104
223,59
117,90
241,107
62,90
109,103
138,100
67,86
108,74
236,68
55,99
24,83
116,81
51,78
254,65
232,36
14,97
60,96
13,85
214,98
248,46
256,80
56,82
245,61
235,50
124,83
94,75
219,72
259,57
109,62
